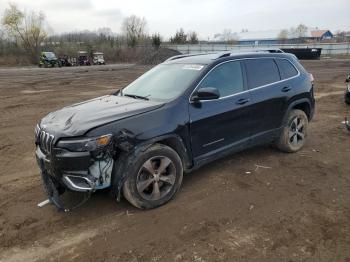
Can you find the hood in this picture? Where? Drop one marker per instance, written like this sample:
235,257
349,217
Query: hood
77,119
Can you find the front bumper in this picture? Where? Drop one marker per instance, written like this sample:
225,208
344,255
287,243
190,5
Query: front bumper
69,170
72,172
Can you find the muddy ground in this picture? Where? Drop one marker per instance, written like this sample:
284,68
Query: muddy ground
298,209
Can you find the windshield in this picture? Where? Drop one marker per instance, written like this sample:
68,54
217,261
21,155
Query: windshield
49,55
163,82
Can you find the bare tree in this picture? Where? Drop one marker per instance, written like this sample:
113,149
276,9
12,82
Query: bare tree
228,36
134,29
301,30
192,37
283,35
179,38
26,28
156,40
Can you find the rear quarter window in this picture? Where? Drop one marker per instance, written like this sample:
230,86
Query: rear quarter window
262,71
287,69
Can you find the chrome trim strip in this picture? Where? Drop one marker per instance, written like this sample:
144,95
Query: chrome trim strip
245,91
46,141
214,142
79,187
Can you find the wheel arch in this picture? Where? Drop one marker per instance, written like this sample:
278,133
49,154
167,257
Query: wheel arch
176,143
301,104
305,107
173,141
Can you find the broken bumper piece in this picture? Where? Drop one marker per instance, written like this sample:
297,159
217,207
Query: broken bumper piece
347,124
69,178
55,195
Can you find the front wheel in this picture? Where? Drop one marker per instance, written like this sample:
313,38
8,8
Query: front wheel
155,177
347,98
294,132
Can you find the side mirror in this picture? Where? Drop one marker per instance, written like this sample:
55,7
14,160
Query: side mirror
347,80
206,93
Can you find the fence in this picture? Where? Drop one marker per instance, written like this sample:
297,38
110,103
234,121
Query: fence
327,49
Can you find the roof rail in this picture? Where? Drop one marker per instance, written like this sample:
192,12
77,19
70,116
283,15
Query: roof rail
183,56
223,54
226,53
262,50
229,53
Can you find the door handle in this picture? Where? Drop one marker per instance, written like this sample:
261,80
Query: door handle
286,89
242,101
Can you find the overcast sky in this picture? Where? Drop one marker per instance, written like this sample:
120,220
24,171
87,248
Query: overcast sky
207,17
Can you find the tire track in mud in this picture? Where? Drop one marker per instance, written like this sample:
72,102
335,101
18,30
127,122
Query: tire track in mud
66,242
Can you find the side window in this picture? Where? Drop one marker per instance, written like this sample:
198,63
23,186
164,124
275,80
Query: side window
261,72
227,78
287,70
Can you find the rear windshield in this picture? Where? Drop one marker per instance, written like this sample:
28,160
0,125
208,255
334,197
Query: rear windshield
164,82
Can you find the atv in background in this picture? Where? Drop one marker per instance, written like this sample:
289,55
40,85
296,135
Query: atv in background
98,58
347,91
49,59
83,59
66,61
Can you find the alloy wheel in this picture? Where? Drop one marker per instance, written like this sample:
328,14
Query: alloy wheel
297,131
156,178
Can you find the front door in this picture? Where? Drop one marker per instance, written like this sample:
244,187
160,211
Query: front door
225,122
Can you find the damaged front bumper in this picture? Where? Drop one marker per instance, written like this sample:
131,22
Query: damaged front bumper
82,172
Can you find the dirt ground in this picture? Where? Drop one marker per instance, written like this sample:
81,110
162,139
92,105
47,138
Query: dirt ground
297,209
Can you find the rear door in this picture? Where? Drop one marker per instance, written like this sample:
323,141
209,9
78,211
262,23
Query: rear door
270,92
225,122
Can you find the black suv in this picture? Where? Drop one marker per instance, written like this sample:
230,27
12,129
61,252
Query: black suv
347,91
181,114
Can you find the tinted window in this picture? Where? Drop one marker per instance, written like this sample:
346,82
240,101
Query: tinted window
261,72
227,78
287,70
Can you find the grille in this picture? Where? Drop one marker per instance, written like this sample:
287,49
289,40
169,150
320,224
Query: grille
45,141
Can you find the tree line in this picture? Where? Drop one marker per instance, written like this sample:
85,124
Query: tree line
28,33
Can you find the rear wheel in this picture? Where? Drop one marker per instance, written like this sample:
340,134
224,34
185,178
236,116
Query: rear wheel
294,132
154,178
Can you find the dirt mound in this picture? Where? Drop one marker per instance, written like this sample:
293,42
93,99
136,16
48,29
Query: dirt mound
154,57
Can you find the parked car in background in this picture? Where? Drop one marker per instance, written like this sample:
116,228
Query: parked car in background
49,59
182,114
98,59
83,59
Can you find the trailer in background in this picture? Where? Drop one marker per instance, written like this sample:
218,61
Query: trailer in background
304,53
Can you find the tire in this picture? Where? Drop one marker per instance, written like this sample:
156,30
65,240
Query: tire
294,132
347,99
140,189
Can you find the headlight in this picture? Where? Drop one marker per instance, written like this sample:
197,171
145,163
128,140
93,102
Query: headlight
85,144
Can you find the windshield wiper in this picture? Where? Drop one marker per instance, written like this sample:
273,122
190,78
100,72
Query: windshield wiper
137,96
